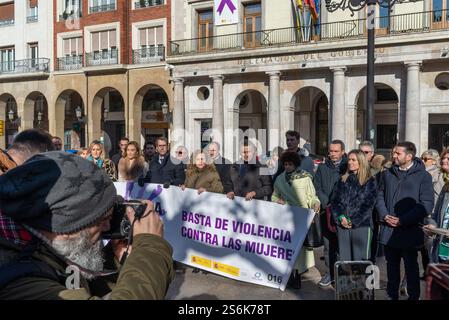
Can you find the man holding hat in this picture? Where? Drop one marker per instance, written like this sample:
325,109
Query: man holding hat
66,202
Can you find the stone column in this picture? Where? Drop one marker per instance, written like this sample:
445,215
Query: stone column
274,108
178,112
412,104
338,104
218,111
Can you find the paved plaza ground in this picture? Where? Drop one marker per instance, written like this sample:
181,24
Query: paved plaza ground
199,286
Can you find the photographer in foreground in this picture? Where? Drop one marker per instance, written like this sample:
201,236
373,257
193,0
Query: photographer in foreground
67,202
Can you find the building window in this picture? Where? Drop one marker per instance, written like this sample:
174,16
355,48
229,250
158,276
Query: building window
252,24
148,3
442,81
33,53
205,30
104,47
7,57
151,37
102,5
205,125
7,14
384,17
151,43
440,17
32,11
72,9
386,136
72,54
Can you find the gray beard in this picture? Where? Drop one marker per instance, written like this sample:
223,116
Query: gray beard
81,252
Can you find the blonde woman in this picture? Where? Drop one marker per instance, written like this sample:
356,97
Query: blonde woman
202,175
97,156
132,165
352,204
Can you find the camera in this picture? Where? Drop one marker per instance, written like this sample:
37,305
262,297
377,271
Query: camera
120,224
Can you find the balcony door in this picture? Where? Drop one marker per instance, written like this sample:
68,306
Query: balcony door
383,26
205,30
440,14
7,57
252,25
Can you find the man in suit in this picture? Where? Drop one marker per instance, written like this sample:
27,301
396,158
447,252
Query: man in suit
163,169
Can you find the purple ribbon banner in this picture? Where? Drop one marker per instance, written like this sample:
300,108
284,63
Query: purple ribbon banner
224,3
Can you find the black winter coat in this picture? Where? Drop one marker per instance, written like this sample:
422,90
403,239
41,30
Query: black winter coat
167,172
223,167
326,177
355,201
408,196
252,180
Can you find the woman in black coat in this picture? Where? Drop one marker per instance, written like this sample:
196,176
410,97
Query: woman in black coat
352,204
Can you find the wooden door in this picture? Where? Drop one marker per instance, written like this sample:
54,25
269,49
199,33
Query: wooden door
252,25
205,30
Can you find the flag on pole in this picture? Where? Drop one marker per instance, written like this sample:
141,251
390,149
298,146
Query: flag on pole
300,4
312,8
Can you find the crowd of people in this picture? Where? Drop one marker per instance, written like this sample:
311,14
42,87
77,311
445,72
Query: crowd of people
368,205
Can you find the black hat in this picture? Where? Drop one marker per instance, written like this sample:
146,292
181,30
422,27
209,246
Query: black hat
57,192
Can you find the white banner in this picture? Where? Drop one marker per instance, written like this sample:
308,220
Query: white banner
226,12
252,241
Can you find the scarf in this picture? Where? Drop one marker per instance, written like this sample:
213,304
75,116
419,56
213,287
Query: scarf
296,174
14,232
99,162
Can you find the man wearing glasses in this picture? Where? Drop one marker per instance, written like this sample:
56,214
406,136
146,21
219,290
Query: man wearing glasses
163,169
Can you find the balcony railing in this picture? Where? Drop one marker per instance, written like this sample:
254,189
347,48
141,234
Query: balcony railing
69,63
6,22
148,55
72,15
102,8
25,66
103,57
148,3
342,30
32,19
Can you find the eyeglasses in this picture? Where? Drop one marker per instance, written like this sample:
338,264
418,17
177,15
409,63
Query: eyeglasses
367,152
180,152
426,159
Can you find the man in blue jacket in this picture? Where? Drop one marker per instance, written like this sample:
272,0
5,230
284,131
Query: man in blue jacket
163,169
405,198
327,176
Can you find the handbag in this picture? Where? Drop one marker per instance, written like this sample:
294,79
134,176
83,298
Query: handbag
314,237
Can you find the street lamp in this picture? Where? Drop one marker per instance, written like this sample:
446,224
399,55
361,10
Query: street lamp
79,114
353,6
12,117
39,117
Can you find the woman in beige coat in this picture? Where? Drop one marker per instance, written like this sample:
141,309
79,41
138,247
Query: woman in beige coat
202,175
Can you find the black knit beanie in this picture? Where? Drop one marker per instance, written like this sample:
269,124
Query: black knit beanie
57,192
